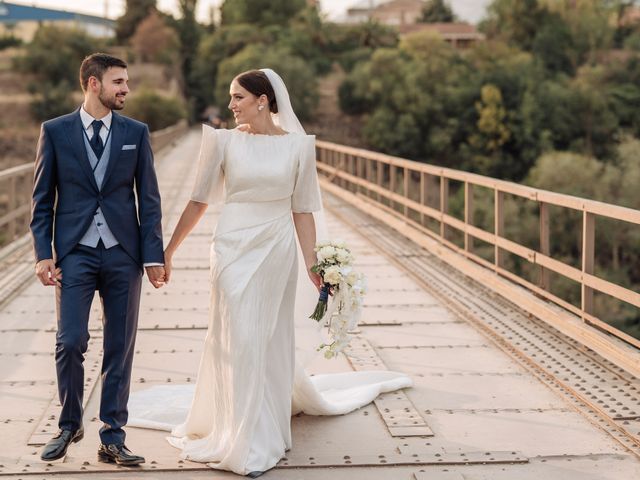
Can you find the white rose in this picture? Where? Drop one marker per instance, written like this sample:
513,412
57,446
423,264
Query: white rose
325,253
339,243
332,275
352,278
343,256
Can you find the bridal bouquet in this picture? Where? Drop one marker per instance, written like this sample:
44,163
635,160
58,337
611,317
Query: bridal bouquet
348,288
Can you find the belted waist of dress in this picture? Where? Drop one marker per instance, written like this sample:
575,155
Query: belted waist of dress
241,215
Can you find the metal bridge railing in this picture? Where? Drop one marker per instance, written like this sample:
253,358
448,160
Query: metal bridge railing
15,195
420,194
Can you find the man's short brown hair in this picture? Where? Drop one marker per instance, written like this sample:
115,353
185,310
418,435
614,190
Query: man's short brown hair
95,65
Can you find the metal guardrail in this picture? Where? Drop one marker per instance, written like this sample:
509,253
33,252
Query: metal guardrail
409,189
16,186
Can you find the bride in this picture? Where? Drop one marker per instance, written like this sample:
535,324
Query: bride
263,173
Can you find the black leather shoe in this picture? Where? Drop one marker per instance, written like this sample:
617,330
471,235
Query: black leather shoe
255,474
119,454
57,447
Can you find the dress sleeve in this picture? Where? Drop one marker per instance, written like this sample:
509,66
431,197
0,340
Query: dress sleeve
209,184
306,191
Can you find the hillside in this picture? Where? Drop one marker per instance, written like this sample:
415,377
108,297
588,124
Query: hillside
19,131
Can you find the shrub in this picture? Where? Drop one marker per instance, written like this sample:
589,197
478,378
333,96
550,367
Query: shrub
156,110
8,41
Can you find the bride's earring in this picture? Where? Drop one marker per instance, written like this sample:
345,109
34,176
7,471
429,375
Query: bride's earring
260,107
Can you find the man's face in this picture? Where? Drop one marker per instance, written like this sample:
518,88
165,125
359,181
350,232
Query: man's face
113,88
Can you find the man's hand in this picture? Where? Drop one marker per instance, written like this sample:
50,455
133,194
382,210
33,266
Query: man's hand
156,276
47,273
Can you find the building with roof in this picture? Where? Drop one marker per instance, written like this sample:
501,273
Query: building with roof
405,15
459,35
389,12
22,21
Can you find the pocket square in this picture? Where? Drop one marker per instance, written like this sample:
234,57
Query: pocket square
128,147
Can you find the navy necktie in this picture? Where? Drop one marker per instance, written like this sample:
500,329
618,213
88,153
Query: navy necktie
96,139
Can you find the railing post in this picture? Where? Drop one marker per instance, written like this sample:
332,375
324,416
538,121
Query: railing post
498,216
352,161
405,178
423,195
468,215
444,205
392,184
588,258
545,245
379,177
13,204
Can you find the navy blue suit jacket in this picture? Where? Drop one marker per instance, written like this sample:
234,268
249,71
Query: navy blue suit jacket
66,196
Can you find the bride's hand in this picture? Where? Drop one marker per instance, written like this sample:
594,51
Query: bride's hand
315,279
168,257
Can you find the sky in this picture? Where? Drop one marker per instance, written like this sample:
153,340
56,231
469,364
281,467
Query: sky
467,10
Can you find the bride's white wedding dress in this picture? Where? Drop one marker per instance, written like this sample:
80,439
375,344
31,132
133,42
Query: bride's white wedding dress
238,415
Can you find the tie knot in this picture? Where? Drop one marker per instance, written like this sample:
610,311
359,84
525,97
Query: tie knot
97,126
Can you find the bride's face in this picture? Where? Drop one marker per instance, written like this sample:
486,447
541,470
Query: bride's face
244,104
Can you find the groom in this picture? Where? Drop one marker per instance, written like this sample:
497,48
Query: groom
87,166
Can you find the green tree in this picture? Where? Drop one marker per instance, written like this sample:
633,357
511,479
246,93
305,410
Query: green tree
553,46
306,37
437,11
350,44
135,12
622,84
493,132
412,96
155,41
224,43
591,23
60,64
51,100
514,21
157,111
260,12
54,72
189,33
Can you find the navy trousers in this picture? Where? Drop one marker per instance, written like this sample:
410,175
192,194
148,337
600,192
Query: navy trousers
118,279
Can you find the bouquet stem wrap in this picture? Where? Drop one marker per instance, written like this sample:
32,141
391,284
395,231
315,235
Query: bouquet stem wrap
321,307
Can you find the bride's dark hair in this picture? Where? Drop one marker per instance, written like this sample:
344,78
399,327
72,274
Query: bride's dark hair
256,82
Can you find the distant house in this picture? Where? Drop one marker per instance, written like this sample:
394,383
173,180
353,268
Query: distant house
22,21
405,15
389,12
460,35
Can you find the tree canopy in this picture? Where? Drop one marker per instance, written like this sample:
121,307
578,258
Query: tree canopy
437,11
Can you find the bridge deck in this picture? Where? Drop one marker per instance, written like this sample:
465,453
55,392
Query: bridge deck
497,395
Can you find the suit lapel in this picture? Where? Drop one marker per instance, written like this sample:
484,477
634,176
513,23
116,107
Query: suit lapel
118,136
75,135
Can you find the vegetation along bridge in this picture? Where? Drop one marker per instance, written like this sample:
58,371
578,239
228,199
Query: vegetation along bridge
520,369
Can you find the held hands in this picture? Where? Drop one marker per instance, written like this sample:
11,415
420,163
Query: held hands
48,274
168,257
156,276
